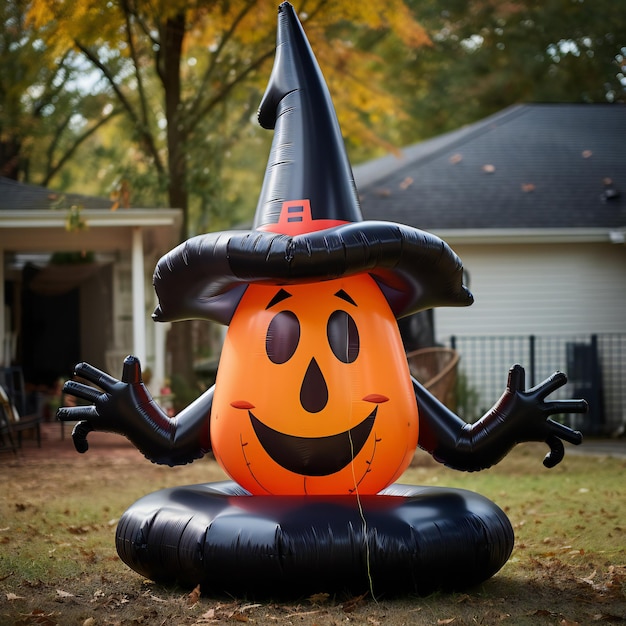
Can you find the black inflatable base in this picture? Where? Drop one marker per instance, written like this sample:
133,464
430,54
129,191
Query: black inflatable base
407,539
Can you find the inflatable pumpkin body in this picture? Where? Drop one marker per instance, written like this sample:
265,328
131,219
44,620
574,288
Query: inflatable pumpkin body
313,394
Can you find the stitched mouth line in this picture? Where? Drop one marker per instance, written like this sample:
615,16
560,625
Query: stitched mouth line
313,456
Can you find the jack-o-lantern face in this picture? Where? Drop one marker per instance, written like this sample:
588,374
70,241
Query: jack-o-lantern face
313,393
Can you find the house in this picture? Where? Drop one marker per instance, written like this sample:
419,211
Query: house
533,200
81,294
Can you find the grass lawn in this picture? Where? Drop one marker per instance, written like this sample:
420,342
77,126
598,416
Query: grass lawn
58,563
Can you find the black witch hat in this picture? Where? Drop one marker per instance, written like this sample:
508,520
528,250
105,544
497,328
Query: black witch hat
308,225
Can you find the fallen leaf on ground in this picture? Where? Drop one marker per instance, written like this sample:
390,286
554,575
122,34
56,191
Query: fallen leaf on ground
303,613
156,598
37,617
194,596
353,603
13,596
319,598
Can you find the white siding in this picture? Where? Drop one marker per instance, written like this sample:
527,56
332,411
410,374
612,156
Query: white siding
541,289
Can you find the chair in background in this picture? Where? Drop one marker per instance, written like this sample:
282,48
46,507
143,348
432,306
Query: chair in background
7,441
15,406
436,369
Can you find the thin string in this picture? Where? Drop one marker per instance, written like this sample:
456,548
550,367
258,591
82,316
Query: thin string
358,496
363,521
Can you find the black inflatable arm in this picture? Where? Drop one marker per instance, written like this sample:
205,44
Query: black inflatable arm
518,416
127,408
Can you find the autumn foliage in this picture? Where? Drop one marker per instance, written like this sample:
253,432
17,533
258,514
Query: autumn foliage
172,65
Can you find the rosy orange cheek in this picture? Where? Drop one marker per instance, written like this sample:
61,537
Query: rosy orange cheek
241,404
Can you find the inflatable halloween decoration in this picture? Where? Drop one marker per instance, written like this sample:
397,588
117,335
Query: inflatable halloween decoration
314,413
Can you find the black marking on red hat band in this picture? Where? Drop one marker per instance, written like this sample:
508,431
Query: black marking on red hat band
295,209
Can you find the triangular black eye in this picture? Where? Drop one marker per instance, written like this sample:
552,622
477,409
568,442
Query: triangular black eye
279,297
344,296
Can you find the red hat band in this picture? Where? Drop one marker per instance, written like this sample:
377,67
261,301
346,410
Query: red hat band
295,219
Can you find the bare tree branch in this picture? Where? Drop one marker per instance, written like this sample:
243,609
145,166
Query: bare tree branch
216,56
146,136
200,112
133,55
53,169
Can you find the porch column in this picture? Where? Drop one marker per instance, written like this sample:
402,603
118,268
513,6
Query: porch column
139,307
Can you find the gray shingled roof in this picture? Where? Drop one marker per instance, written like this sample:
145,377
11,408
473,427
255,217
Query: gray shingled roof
19,196
529,166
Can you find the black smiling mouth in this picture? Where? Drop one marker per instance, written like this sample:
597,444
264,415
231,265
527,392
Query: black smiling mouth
313,456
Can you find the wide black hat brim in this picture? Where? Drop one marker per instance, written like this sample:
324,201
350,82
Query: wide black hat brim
206,276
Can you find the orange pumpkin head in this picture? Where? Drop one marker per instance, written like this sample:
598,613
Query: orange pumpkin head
313,394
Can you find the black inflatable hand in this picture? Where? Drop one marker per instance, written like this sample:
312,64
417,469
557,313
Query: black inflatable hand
120,406
521,415
126,407
518,416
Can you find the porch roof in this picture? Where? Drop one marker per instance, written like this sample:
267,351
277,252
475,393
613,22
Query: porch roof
33,219
44,230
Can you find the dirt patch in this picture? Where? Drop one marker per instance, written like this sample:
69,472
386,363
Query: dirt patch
57,444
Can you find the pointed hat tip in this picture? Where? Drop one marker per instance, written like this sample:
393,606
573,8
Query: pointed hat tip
308,163
294,66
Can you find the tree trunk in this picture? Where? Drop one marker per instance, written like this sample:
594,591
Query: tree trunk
183,376
180,342
10,158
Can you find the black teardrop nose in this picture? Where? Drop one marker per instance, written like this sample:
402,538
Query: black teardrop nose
314,392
